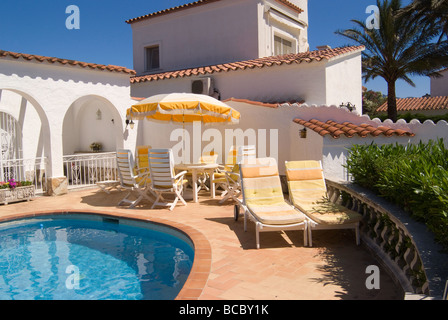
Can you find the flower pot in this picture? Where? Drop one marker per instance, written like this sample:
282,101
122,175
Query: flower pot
17,194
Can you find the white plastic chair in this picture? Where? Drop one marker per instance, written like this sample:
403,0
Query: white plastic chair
163,178
130,180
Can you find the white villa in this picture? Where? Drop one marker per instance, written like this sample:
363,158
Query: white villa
252,54
439,85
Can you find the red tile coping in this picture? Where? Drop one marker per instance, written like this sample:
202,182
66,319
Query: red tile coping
94,66
200,270
197,4
297,58
418,104
335,129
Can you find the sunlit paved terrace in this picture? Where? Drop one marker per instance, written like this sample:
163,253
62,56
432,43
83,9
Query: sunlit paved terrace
228,265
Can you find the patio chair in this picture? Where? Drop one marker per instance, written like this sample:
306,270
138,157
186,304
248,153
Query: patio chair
142,158
263,200
142,162
308,193
163,178
130,180
227,177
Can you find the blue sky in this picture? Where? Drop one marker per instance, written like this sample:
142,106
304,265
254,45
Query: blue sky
38,27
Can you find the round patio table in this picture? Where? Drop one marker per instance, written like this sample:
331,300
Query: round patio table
196,168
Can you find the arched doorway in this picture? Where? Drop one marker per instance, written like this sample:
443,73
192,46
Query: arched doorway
23,133
91,119
10,137
10,147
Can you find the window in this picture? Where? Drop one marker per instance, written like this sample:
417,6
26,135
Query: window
152,58
282,46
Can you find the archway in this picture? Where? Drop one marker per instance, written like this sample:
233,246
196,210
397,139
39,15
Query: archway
91,119
25,133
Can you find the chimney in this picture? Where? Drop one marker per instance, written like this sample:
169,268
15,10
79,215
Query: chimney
325,47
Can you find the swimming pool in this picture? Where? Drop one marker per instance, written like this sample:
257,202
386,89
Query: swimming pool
89,257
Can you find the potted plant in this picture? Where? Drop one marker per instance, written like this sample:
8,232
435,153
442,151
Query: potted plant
96,146
13,191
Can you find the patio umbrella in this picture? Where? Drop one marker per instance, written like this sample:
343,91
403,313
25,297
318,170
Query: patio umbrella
183,108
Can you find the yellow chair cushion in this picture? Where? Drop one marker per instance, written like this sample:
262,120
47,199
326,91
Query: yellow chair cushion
184,181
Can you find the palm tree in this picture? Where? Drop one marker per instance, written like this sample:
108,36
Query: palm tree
432,12
397,50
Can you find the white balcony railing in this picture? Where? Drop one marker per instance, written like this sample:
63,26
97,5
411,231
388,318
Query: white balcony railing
83,170
25,170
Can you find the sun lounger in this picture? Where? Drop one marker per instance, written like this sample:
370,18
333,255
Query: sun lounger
263,200
308,193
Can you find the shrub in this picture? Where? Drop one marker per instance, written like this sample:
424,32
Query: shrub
12,184
415,177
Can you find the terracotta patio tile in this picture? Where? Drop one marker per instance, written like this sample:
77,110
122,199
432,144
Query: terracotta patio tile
228,266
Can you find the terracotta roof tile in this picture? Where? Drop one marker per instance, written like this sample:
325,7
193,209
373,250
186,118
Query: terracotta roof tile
290,5
93,66
288,59
418,104
336,130
197,4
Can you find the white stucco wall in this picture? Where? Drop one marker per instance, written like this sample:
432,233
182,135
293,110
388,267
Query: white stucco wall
223,31
323,82
344,81
294,27
218,32
279,83
51,89
439,86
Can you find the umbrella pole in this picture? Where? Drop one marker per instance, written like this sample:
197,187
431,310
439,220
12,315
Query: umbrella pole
183,139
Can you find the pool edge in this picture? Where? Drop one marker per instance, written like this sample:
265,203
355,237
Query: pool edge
200,270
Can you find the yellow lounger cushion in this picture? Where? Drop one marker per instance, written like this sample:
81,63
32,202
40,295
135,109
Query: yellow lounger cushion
280,214
308,193
326,212
264,198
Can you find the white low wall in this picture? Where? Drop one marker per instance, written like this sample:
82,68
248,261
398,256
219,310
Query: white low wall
334,152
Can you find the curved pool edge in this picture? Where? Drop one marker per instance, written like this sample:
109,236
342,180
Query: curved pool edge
200,270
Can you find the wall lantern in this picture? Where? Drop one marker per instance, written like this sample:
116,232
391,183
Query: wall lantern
350,106
130,123
303,133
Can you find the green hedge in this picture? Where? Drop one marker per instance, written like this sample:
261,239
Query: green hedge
415,177
408,117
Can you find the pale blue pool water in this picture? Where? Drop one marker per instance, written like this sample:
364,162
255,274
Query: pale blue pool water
74,258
